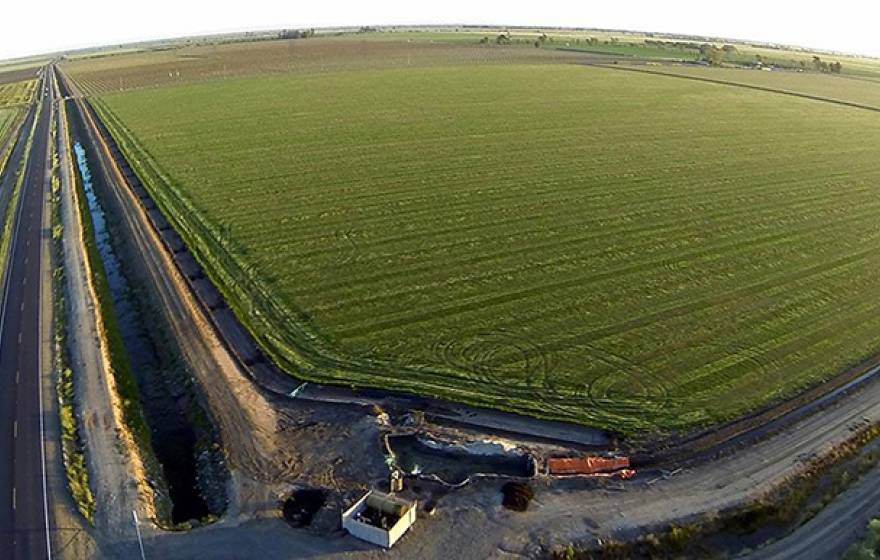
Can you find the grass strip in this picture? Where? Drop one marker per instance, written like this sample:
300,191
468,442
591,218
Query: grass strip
72,444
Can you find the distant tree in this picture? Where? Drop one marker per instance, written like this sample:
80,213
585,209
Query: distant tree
484,41
835,67
712,54
296,33
537,44
503,39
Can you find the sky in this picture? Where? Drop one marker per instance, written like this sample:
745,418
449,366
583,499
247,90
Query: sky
51,25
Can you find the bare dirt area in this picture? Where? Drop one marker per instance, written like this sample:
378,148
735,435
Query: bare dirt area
472,523
11,76
190,64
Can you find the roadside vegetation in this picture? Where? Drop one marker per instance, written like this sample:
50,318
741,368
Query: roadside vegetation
869,547
72,445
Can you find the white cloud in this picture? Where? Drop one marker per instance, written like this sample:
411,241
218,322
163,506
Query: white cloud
35,27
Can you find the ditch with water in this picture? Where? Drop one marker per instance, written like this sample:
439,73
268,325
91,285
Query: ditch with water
183,438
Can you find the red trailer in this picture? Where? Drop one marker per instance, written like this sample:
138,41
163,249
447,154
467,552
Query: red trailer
586,465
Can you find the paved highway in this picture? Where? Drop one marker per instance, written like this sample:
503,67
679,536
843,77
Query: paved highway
24,513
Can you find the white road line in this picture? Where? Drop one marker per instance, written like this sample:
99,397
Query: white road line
13,497
17,374
15,429
19,338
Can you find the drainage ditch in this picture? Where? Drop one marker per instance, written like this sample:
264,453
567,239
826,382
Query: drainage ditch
182,436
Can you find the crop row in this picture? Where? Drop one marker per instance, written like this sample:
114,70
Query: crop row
629,250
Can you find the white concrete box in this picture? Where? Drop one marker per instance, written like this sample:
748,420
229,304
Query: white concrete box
379,518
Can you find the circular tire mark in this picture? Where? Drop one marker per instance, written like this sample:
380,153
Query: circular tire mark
627,388
500,358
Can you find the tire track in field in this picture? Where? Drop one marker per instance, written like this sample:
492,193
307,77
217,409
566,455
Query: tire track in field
525,362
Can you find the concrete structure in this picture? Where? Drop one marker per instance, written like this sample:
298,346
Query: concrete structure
361,519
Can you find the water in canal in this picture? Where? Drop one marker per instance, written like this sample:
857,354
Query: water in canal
173,438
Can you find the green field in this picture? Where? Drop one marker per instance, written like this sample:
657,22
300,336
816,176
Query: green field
620,249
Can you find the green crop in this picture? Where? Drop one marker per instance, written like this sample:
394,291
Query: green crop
618,249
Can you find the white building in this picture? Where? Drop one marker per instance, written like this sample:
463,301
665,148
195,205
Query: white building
379,518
